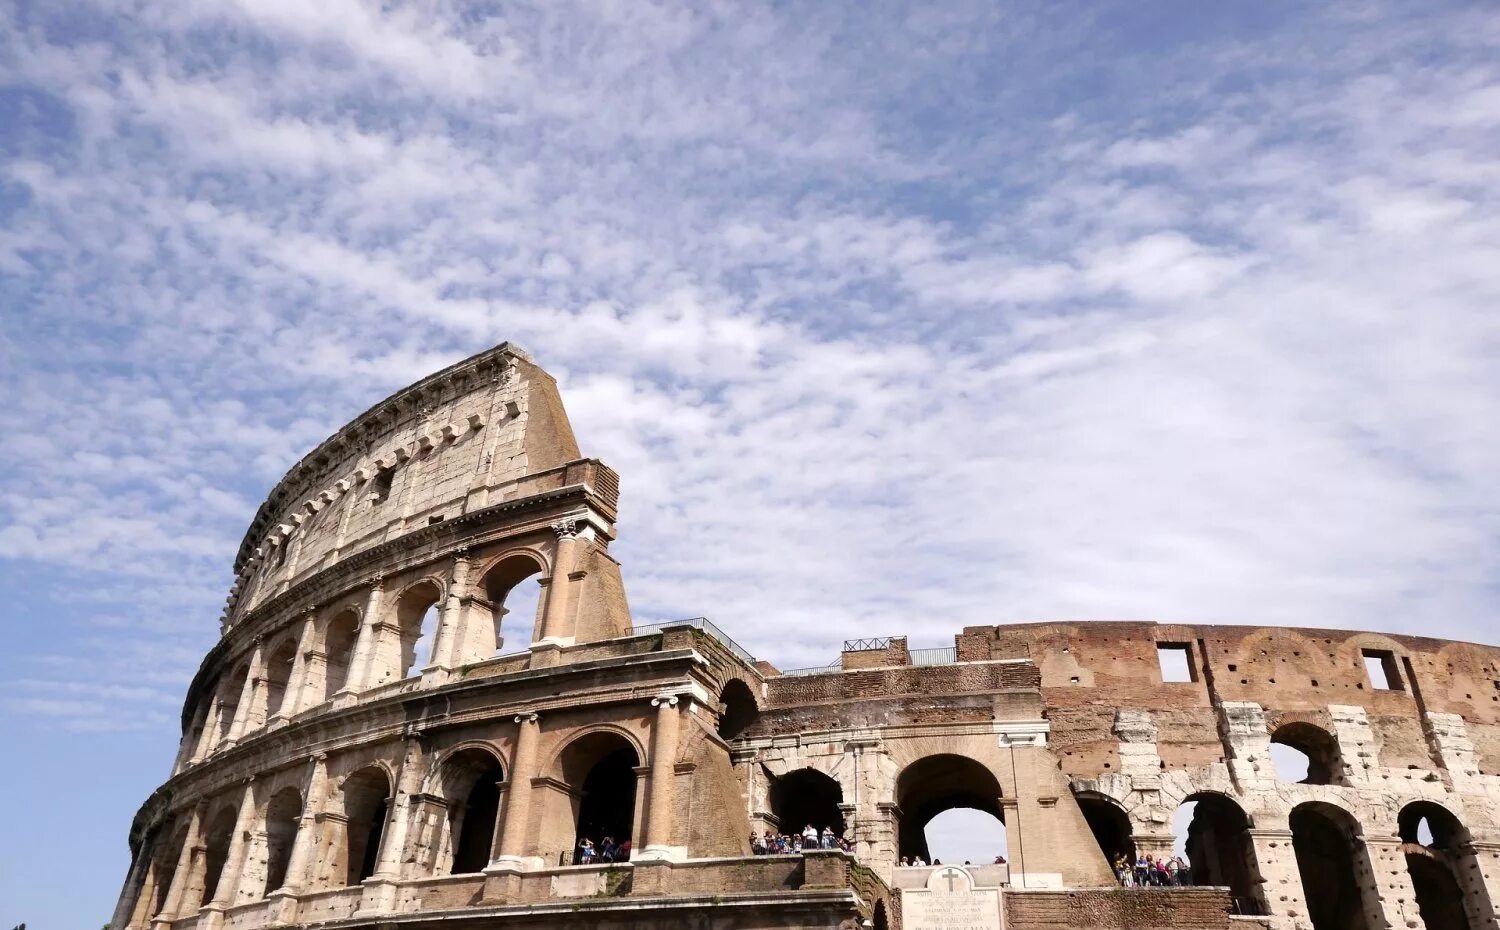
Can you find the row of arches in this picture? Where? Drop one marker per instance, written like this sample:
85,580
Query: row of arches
1333,858
928,793
341,651
453,826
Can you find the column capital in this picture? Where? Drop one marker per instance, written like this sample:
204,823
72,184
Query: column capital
566,528
667,700
526,718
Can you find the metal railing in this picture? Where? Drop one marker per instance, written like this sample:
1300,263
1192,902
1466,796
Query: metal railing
942,655
814,670
862,645
707,626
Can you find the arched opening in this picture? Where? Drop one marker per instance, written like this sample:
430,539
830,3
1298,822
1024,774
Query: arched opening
1333,865
950,810
279,675
283,816
417,616
1220,851
599,770
1110,826
216,842
471,785
164,868
366,795
807,797
512,588
193,738
1437,852
338,648
880,920
1306,754
739,709
229,702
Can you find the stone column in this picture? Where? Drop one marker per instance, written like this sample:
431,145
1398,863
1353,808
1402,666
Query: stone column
364,645
245,712
232,875
331,868
187,750
426,840
408,784
451,648
299,868
1280,880
209,735
1480,882
188,861
296,683
1394,903
380,889
864,827
660,812
1357,746
1247,745
557,626
1450,739
137,883
518,798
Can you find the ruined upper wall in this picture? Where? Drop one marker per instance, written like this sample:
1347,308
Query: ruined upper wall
1090,670
464,438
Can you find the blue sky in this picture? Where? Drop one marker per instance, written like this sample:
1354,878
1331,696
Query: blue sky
892,318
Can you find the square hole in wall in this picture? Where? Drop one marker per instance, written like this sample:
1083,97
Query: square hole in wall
1380,666
380,487
1176,660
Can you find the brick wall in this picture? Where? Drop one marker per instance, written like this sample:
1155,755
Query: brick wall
1118,909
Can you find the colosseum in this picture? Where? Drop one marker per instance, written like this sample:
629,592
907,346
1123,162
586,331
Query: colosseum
428,691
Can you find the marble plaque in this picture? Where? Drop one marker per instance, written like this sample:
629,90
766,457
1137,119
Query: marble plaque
951,902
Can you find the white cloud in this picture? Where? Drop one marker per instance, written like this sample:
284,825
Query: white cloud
889,324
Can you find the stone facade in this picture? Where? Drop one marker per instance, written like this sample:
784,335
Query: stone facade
380,739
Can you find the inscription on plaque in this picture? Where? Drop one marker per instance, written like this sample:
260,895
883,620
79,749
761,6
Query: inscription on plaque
951,902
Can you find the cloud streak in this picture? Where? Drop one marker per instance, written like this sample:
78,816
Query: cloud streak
892,322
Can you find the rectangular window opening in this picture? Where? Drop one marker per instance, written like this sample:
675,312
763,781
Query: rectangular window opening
380,487
1176,661
1380,666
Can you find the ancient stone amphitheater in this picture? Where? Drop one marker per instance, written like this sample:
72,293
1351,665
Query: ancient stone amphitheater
386,736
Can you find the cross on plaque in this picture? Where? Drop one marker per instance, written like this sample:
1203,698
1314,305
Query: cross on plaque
950,873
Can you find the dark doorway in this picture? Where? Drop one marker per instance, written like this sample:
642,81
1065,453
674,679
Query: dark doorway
365,799
607,808
1220,851
804,797
476,810
739,710
1437,851
1110,826
1324,838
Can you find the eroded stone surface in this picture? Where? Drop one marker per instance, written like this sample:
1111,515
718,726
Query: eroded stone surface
354,750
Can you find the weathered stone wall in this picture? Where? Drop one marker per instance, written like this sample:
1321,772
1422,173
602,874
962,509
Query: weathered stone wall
340,764
459,440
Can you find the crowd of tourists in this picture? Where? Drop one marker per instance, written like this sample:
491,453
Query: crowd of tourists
919,862
606,850
777,844
1146,871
